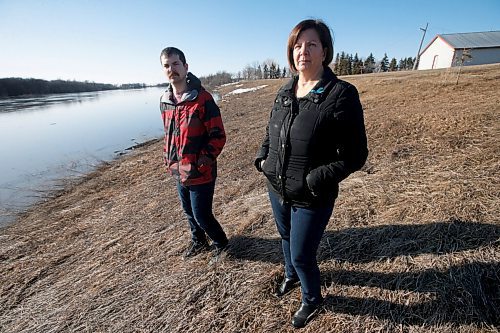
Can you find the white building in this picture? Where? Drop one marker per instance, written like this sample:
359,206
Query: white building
473,48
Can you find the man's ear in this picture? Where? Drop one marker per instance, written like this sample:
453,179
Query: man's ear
186,67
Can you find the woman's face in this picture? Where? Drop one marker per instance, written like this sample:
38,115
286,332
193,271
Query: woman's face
308,52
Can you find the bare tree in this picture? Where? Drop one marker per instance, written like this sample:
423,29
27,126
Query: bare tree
465,57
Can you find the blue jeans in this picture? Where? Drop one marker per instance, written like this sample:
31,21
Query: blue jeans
196,201
301,230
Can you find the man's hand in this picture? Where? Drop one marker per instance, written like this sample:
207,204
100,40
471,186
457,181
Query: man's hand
204,160
204,163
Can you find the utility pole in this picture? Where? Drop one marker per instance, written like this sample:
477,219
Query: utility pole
417,58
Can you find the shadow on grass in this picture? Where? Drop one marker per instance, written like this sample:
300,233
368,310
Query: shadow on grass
467,293
363,245
462,294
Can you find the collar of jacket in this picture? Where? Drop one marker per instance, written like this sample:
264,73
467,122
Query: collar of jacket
193,89
318,93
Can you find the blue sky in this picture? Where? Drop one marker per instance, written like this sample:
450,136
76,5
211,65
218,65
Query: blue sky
119,41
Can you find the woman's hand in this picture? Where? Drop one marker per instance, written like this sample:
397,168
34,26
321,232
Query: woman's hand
259,163
309,184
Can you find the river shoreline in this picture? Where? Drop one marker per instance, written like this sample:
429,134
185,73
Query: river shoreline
61,185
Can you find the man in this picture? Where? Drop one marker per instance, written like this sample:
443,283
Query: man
194,137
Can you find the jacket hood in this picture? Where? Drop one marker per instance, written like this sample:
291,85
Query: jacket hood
193,89
193,82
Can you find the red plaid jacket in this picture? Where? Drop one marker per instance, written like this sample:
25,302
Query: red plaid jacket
194,134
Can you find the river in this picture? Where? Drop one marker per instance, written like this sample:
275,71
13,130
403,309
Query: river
49,138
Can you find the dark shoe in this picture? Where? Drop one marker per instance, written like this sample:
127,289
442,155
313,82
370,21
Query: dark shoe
286,286
196,248
304,314
218,254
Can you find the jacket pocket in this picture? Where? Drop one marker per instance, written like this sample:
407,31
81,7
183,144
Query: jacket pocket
269,169
296,185
320,185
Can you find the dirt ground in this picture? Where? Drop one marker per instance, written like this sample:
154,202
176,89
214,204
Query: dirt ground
413,244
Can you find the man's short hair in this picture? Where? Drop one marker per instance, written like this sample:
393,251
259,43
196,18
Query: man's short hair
169,51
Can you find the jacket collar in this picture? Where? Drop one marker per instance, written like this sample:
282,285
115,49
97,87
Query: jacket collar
318,93
193,89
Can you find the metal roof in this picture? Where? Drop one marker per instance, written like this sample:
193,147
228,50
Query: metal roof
473,39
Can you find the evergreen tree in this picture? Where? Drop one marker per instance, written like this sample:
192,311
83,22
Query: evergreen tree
393,66
341,67
266,72
356,65
384,63
345,66
411,62
336,64
349,64
369,64
402,65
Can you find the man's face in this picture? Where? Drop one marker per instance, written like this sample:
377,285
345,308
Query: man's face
174,69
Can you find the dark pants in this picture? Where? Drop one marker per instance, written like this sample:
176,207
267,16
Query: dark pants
196,201
301,230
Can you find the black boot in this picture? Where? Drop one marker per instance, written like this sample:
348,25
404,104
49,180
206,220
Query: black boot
304,314
219,253
286,286
196,248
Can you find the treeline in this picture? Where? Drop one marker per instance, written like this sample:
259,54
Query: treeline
344,64
132,86
10,87
347,64
213,80
269,69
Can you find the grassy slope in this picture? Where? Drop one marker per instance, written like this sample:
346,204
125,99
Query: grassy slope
413,245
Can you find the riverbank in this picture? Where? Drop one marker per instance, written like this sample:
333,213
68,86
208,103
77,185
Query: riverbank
13,87
413,244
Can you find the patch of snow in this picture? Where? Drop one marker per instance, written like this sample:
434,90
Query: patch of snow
244,90
228,84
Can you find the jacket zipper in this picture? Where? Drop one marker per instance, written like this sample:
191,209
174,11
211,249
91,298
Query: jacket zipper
284,146
177,138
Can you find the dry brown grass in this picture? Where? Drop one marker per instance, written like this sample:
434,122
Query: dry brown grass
413,245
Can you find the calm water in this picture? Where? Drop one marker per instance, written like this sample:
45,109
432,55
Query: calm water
45,139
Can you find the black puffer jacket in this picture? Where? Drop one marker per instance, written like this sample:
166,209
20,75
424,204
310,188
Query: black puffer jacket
314,142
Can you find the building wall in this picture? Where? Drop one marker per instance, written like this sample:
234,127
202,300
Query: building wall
438,55
479,57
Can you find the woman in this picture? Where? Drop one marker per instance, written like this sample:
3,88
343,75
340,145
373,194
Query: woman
315,138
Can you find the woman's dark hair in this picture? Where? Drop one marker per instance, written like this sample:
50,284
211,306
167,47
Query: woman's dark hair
324,36
168,51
